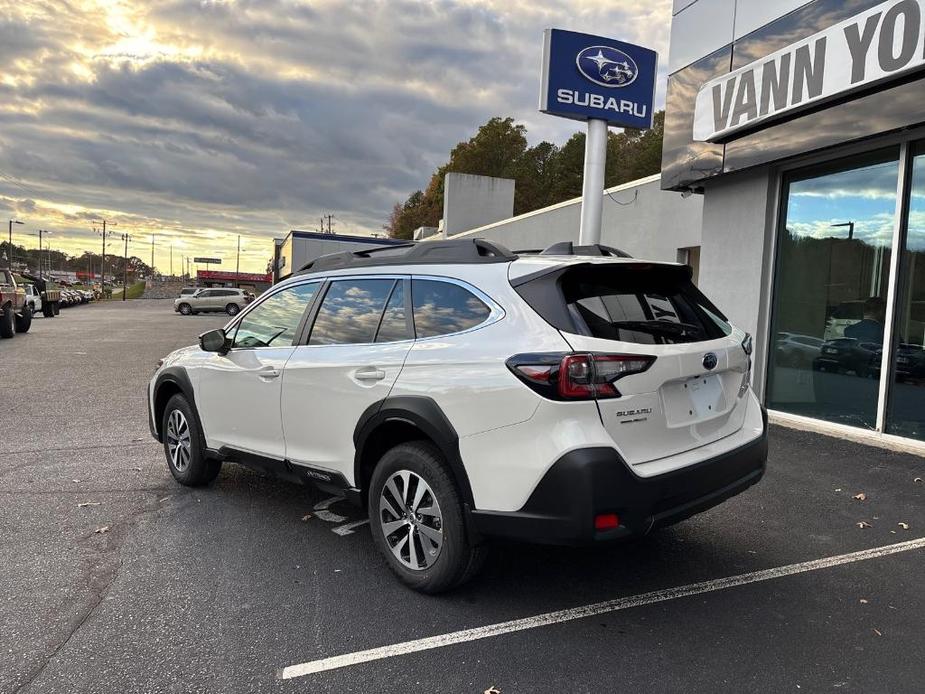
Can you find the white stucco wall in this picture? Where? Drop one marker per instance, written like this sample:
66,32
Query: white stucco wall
736,253
472,201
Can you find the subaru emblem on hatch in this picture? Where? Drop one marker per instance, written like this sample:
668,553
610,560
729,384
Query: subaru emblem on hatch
607,66
709,361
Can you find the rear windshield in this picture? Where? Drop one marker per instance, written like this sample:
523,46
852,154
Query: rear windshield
644,304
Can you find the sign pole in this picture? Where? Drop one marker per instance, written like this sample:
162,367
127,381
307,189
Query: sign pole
592,187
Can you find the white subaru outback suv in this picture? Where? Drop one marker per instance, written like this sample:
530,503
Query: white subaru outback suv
462,392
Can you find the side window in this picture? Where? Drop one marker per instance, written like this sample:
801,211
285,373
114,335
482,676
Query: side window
350,312
273,322
441,308
394,325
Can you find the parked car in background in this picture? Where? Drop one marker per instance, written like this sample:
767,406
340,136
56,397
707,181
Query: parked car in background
215,300
797,350
33,298
49,293
848,355
15,314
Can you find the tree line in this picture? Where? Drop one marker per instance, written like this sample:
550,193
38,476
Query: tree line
52,260
545,174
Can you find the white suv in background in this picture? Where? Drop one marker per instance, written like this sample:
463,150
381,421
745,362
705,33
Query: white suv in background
460,392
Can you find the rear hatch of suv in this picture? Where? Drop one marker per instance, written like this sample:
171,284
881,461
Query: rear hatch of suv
671,372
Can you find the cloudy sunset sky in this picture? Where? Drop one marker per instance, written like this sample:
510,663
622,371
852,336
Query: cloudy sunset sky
201,120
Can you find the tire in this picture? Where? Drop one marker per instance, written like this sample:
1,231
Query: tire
6,322
187,463
402,469
24,321
185,309
47,310
232,309
56,307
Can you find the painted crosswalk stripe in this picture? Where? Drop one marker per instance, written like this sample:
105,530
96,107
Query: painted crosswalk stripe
571,614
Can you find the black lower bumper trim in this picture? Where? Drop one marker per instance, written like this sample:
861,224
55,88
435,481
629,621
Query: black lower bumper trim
591,481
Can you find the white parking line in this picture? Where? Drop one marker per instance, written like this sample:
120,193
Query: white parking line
574,613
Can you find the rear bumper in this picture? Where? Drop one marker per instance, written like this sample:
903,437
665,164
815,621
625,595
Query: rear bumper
591,481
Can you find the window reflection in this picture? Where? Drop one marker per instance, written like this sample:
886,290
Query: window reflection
441,308
350,312
273,323
906,414
394,325
832,275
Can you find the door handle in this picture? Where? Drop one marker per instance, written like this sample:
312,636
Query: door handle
369,374
268,374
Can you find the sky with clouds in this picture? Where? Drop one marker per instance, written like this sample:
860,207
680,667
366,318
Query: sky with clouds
200,120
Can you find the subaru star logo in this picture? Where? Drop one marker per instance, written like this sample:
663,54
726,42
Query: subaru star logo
607,66
709,361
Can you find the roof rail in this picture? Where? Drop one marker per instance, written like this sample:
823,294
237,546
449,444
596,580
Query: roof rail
596,249
451,251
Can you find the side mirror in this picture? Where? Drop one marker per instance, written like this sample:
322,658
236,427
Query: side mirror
214,341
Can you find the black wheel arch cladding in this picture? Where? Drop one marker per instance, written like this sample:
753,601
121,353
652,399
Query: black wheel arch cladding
425,415
169,381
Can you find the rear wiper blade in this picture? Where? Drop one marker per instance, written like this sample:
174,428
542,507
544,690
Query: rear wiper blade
659,327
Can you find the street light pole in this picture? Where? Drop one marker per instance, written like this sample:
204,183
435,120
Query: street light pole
41,232
237,267
9,259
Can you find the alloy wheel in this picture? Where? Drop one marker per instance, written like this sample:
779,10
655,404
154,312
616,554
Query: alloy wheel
411,521
178,440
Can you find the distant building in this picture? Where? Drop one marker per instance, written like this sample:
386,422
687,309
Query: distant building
301,247
250,281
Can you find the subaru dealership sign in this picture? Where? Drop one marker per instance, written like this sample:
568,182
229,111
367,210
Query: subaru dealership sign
591,77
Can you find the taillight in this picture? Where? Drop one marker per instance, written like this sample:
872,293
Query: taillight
576,376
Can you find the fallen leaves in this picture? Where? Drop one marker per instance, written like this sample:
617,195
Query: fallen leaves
82,504
918,480
863,524
863,601
904,526
877,632
102,529
306,517
492,690
860,497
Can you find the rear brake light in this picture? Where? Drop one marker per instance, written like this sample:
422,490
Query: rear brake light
583,376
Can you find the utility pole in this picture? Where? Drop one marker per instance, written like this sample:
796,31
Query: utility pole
237,267
9,258
41,232
103,259
329,218
125,237
152,254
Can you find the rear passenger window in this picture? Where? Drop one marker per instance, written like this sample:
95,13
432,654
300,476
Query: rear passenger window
394,324
350,312
441,308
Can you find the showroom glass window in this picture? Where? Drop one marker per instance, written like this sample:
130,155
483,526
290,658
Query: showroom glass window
906,412
831,285
273,322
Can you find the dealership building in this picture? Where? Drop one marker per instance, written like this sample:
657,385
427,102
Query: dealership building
793,182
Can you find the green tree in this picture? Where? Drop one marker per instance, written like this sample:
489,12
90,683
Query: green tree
544,174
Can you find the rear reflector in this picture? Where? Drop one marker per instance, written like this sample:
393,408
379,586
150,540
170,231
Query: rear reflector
606,521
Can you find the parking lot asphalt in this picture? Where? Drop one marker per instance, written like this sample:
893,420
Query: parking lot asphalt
115,579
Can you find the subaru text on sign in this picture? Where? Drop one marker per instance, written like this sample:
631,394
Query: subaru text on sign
592,77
